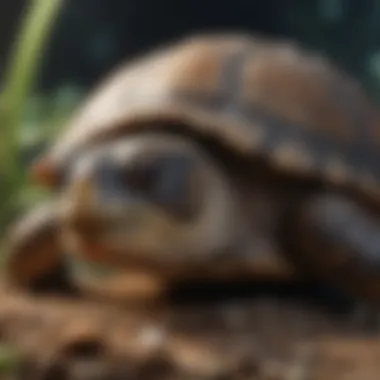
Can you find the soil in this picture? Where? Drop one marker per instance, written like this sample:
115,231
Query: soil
252,338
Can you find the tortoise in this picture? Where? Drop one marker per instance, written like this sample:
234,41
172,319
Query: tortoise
220,155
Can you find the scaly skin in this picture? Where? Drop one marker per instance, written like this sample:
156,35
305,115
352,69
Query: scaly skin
35,259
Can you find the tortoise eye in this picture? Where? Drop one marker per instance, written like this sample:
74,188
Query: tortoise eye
142,177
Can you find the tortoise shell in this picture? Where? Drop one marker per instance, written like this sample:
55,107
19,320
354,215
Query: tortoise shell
254,96
258,102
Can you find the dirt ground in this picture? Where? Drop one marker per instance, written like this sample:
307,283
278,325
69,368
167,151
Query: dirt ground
251,339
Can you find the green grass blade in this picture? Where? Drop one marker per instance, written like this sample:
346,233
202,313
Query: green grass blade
22,69
18,83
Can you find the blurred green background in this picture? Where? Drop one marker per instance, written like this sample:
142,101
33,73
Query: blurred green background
52,52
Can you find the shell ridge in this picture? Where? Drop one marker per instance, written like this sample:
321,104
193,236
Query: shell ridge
230,84
278,131
343,94
232,78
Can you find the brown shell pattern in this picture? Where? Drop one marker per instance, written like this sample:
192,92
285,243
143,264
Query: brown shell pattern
255,95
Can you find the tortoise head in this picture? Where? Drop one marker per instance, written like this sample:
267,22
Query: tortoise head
146,199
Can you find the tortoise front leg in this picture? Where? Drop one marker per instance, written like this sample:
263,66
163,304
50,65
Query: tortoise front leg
35,259
337,240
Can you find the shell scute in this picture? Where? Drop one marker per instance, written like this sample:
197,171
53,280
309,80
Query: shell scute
253,94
